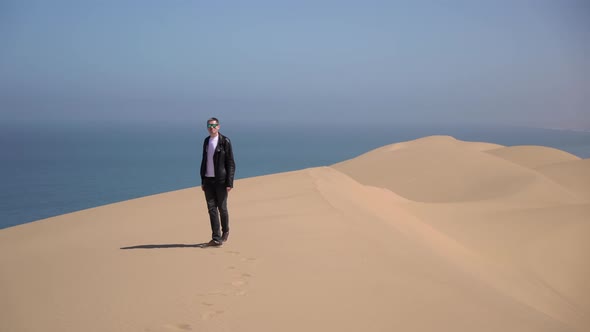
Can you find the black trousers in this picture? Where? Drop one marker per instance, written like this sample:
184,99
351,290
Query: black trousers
216,196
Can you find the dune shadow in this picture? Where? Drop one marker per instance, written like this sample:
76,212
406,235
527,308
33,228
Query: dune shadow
164,246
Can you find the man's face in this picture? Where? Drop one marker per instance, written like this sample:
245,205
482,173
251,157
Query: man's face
212,127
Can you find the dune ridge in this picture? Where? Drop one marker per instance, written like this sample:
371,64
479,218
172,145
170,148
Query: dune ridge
426,235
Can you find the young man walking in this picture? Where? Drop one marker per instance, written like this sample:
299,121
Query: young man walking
217,179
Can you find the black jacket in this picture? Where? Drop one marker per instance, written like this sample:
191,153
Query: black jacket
223,160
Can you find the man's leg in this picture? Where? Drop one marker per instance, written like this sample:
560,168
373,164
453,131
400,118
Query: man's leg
222,205
211,197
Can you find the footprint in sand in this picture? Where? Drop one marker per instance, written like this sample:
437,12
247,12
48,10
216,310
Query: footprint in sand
212,294
177,327
238,283
241,282
248,259
211,314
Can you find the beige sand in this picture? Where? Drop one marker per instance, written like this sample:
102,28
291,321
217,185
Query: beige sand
434,234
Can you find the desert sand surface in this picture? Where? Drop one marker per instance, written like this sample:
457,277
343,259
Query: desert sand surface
434,234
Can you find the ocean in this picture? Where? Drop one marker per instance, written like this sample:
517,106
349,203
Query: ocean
46,172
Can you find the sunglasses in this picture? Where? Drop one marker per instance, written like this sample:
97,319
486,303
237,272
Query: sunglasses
212,125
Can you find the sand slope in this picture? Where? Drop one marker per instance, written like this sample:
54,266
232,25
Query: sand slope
428,235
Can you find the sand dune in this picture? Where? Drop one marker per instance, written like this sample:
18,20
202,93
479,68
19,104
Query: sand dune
532,156
441,169
427,235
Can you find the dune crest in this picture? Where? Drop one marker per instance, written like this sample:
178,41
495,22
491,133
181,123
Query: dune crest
442,169
426,235
533,156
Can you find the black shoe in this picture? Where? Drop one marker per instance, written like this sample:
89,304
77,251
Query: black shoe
224,236
214,243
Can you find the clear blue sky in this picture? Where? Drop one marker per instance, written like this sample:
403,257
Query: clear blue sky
503,62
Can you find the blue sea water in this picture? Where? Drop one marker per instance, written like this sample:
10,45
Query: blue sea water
46,172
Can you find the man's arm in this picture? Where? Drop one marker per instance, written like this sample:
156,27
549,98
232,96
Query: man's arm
203,161
230,165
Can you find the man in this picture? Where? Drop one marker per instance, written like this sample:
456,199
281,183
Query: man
217,179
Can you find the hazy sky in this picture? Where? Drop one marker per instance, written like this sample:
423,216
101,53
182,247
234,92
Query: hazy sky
504,62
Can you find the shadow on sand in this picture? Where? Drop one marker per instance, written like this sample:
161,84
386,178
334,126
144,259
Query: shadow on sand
163,246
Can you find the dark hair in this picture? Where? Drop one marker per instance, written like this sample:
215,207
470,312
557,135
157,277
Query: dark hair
212,119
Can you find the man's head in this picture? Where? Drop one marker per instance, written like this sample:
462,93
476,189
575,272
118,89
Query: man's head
213,126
